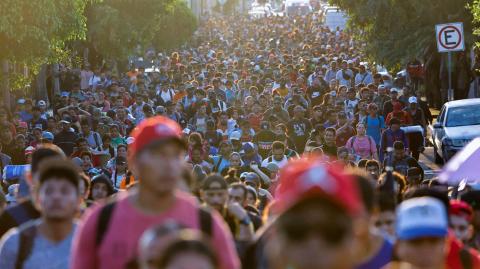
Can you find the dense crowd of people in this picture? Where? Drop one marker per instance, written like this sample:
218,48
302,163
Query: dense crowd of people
265,143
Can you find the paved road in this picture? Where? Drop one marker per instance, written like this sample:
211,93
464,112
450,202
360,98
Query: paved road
427,161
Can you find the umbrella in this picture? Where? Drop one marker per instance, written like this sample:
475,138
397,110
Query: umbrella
463,166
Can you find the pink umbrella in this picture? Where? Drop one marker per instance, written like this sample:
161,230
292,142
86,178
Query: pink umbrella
465,165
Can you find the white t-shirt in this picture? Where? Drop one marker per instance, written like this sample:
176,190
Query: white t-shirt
280,163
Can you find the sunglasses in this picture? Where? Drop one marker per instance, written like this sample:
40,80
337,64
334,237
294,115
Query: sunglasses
300,231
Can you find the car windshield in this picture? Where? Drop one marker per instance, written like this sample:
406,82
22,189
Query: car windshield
463,116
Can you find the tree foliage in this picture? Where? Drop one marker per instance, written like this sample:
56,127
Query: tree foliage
35,31
475,9
399,30
116,27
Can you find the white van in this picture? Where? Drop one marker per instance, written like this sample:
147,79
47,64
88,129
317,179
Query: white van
297,7
334,17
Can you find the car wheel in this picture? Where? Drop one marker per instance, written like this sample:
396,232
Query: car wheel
438,158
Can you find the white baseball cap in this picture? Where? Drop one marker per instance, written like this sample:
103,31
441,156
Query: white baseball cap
42,103
421,217
412,100
235,135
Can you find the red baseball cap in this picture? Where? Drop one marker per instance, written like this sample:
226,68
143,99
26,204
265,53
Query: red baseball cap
311,177
151,130
461,208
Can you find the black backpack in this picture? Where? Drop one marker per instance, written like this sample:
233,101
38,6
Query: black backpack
204,215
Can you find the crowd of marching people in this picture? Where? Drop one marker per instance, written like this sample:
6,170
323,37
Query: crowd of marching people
265,143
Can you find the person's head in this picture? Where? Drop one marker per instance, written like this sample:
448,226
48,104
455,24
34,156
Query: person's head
414,176
237,193
373,169
461,215
341,118
156,154
277,102
330,135
421,229
190,250
197,154
101,187
361,129
394,94
395,124
214,192
398,150
225,148
381,90
58,195
372,109
318,207
351,93
235,160
278,150
384,216
252,196
413,102
250,150
473,199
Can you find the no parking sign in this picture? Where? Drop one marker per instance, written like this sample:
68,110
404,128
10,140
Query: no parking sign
450,37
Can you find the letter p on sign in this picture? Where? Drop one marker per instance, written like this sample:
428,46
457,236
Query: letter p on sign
450,37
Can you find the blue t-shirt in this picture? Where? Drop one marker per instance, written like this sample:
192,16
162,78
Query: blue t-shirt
374,127
382,258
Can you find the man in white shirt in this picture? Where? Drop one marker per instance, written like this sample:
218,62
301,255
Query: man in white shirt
278,155
345,75
363,77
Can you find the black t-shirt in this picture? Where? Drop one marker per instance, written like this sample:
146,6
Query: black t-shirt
315,94
299,131
330,150
264,139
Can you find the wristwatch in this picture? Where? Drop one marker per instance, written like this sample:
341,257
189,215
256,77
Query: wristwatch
246,221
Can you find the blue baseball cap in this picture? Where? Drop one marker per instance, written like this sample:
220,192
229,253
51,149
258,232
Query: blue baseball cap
421,217
65,94
47,135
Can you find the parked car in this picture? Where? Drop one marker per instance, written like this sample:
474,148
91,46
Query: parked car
457,124
297,7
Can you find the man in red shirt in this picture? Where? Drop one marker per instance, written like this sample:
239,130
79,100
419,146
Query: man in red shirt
108,236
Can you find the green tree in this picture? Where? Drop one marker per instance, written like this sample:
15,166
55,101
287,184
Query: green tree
117,27
35,32
397,31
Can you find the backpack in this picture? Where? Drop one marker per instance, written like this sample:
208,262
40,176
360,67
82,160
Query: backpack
204,215
215,168
369,142
25,246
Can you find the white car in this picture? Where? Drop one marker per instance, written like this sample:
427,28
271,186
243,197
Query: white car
457,124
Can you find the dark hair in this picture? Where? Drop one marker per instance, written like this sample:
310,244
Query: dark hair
278,145
212,178
362,163
102,178
434,192
182,245
399,179
61,169
331,129
394,121
398,145
365,187
372,163
385,201
43,152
